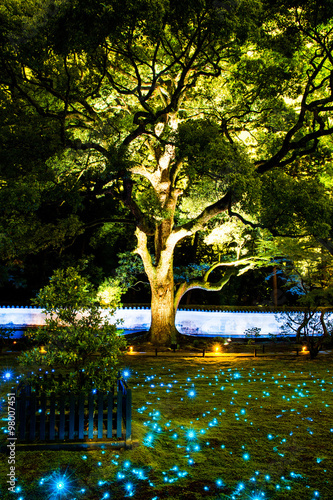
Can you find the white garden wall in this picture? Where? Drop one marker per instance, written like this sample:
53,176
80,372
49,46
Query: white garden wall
193,322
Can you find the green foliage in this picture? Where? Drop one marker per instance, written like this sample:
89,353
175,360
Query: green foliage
130,269
5,334
76,336
292,205
207,154
110,291
252,333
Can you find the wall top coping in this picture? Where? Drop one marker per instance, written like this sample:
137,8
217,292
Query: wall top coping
231,309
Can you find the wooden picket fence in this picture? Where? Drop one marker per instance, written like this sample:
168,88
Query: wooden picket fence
70,421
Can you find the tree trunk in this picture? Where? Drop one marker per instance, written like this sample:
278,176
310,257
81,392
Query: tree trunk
163,312
160,275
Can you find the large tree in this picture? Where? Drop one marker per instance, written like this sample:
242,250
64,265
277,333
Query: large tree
183,111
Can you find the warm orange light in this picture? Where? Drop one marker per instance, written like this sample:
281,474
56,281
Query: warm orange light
131,349
14,342
42,350
303,348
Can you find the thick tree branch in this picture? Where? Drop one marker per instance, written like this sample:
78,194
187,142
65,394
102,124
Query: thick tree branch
205,216
235,268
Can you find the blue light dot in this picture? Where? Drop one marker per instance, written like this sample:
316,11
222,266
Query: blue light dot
190,434
246,456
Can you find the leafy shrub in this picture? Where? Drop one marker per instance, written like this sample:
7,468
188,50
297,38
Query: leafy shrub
77,336
252,333
5,335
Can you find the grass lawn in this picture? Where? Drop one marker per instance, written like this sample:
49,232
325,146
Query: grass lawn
212,428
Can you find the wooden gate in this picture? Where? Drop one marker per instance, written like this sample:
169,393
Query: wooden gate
67,421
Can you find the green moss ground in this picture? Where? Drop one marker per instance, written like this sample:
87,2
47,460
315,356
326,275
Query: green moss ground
256,428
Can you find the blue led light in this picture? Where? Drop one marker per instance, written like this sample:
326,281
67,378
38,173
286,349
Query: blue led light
191,434
59,484
7,375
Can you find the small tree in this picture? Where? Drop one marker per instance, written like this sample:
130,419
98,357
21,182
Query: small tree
252,333
76,336
308,325
306,273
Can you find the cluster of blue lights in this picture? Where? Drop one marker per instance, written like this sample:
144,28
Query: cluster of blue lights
193,440
186,439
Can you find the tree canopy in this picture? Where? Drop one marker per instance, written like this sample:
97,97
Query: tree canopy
178,115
